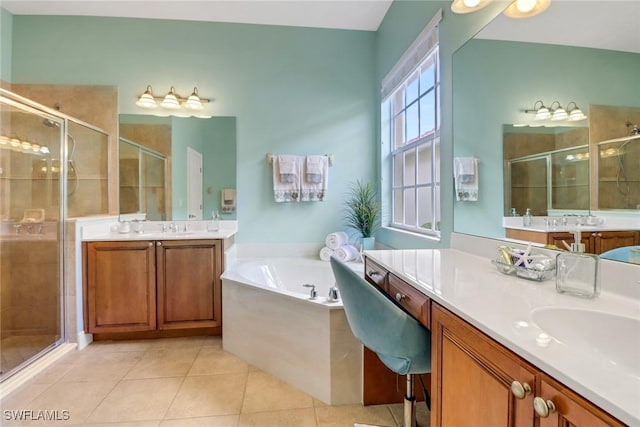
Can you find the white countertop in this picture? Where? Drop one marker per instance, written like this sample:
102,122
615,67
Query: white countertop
152,230
602,223
501,307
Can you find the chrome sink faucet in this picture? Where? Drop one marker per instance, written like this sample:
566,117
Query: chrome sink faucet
313,294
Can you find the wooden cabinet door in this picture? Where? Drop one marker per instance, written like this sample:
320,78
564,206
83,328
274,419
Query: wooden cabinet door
558,237
607,240
189,285
570,408
472,378
121,286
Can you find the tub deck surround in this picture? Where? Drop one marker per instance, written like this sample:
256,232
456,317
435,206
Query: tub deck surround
502,306
269,321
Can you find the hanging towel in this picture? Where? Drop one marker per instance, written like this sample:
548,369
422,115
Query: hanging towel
315,178
325,253
286,178
346,253
465,172
335,240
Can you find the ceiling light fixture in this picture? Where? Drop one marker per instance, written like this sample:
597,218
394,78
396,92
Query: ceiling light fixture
172,101
526,8
467,6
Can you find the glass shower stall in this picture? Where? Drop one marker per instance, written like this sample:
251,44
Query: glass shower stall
41,183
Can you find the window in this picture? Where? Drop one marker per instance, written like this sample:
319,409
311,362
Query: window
411,128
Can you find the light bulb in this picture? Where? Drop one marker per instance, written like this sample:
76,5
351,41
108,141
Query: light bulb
170,101
471,3
525,6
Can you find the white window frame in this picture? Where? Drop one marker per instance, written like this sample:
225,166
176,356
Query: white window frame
425,50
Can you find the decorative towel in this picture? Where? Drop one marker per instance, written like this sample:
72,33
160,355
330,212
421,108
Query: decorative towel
286,178
335,240
346,253
325,253
465,172
315,178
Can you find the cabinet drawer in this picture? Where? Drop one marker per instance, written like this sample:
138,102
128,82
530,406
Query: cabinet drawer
409,298
375,274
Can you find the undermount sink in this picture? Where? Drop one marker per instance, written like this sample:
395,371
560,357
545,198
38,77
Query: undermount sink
614,337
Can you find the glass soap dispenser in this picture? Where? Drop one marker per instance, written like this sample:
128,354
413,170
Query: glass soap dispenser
526,218
214,223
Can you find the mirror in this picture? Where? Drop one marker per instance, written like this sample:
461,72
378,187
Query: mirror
155,178
546,170
500,73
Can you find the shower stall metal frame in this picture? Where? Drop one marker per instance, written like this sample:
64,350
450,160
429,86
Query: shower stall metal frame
21,103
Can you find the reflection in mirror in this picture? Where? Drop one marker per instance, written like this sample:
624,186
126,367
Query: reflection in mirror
546,170
166,140
570,53
142,181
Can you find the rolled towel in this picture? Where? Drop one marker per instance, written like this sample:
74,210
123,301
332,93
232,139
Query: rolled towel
325,253
346,253
337,239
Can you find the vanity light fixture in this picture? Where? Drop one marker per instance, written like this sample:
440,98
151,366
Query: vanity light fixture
541,112
171,101
467,6
558,113
575,113
526,8
16,144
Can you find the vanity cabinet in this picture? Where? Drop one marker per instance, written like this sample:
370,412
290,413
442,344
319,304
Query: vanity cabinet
477,381
120,282
135,286
595,242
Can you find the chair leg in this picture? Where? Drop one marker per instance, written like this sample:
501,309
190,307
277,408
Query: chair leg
409,404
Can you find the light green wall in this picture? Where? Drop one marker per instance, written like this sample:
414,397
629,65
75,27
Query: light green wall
400,27
293,90
220,162
6,37
185,133
495,81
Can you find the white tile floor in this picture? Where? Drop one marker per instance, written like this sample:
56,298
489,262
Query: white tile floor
177,382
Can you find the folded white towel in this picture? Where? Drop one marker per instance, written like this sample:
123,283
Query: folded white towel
346,253
286,178
316,174
337,239
465,171
325,253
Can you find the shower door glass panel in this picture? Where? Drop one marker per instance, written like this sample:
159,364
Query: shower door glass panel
529,186
570,179
88,171
153,186
30,234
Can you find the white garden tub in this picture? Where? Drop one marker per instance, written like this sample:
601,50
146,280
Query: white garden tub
269,320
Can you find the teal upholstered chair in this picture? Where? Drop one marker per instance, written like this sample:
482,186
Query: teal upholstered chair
398,339
621,254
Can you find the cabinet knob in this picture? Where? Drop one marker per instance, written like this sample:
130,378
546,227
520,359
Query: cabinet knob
150,243
520,390
543,407
158,243
599,234
400,297
373,273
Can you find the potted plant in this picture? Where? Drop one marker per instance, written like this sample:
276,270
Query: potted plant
363,211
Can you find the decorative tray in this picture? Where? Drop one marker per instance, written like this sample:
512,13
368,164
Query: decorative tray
537,273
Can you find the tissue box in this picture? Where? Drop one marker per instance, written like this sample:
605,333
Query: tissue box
577,274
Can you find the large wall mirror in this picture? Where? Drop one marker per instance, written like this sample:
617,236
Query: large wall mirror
586,52
177,168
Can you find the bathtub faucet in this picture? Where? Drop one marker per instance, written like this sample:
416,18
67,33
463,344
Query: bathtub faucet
333,294
313,294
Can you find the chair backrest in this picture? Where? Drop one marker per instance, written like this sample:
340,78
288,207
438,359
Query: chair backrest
376,321
620,254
